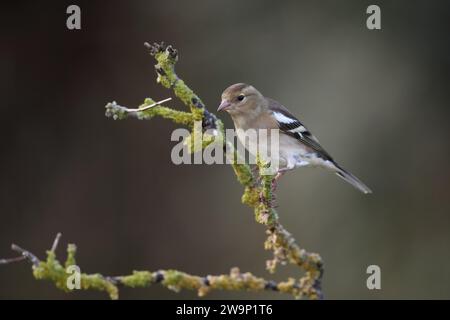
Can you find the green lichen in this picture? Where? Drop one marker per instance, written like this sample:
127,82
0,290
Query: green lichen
165,63
251,196
71,252
138,279
237,281
290,286
208,139
53,270
179,117
176,280
185,94
243,174
197,113
99,283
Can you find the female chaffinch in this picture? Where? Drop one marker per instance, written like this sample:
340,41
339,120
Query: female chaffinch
249,109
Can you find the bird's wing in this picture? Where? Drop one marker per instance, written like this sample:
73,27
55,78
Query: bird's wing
291,126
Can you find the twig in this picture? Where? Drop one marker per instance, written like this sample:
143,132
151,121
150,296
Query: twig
11,260
56,242
51,269
148,107
26,254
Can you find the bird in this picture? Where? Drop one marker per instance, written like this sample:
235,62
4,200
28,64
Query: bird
249,109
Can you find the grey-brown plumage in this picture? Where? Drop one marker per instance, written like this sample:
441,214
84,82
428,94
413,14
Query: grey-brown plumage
249,109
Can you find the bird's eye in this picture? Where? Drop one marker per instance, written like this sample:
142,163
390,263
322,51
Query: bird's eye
241,97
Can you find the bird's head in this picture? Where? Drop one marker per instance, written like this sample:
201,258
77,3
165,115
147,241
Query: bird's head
240,98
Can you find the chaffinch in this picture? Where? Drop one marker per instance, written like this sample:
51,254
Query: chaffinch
249,109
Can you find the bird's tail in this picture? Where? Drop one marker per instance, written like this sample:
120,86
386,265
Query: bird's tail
354,181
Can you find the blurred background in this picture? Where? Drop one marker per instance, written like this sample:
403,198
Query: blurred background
377,100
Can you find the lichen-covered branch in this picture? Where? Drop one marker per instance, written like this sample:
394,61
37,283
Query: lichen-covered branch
279,240
53,270
257,190
258,194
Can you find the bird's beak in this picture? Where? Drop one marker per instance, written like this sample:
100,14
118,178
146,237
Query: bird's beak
224,105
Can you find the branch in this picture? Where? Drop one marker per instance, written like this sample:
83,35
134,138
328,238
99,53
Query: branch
258,190
258,194
51,269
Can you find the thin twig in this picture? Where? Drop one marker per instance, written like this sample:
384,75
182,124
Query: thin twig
171,279
56,242
147,107
26,254
12,260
